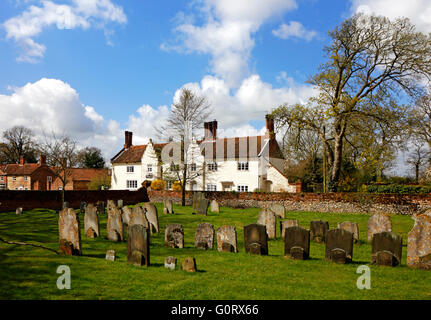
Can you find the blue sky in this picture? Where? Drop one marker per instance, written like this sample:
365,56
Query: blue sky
94,68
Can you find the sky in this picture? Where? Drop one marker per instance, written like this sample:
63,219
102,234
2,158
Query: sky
95,68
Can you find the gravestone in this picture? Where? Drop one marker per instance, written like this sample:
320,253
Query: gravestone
377,223
204,237
126,214
278,210
339,246
18,211
138,245
110,204
297,243
189,264
65,205
214,207
152,217
256,239
137,216
227,239
318,230
197,196
168,206
171,263
69,232
268,219
120,203
100,207
287,224
82,206
174,236
387,248
91,221
110,255
203,207
351,227
114,226
419,243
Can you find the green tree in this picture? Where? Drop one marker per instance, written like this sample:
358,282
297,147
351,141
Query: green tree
91,157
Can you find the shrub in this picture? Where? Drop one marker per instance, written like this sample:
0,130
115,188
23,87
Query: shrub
158,184
176,186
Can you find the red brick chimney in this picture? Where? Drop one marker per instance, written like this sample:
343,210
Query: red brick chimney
270,133
210,130
128,139
21,160
42,161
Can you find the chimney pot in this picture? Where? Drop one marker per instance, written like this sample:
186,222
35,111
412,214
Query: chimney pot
128,139
22,160
270,133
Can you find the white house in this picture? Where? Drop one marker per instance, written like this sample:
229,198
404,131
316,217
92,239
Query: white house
242,164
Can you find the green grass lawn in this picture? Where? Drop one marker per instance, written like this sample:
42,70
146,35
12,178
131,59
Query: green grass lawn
30,273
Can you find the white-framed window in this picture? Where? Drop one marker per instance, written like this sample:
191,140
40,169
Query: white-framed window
130,169
242,188
211,187
175,167
132,184
212,166
169,185
149,168
25,178
193,167
49,178
243,166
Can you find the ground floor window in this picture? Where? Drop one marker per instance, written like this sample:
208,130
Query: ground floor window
169,185
132,184
242,188
211,187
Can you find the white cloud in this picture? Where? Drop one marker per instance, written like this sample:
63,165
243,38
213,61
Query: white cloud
227,33
79,14
294,29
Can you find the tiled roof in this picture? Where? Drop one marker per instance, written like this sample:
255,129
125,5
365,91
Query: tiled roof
20,170
85,174
134,153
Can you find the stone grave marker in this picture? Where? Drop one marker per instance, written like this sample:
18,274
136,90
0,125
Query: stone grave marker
419,243
174,236
287,224
297,243
204,237
18,211
318,230
110,204
110,255
91,221
214,206
69,232
268,219
138,216
377,223
126,214
100,207
278,210
387,248
65,205
120,203
339,246
352,227
138,245
152,217
197,196
256,239
168,206
227,239
203,207
170,263
82,206
189,264
114,226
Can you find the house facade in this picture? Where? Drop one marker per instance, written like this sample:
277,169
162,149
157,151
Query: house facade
242,164
79,178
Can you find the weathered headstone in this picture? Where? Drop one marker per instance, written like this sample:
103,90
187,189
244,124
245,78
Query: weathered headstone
110,204
110,255
203,207
126,214
227,239
256,239
91,221
120,203
318,230
278,210
82,206
18,211
197,196
65,205
351,227
69,232
204,237
387,249
169,206
138,216
377,223
152,217
297,243
174,236
189,264
100,207
114,226
419,243
170,263
214,207
287,224
339,246
268,219
138,245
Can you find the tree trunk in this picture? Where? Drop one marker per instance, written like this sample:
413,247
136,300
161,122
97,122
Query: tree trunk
336,166
417,173
183,187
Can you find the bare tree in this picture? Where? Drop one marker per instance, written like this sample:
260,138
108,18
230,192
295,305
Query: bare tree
418,157
18,142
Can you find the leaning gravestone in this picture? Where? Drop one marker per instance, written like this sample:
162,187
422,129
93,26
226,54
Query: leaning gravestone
351,227
387,249
138,217
126,213
152,217
377,223
278,210
174,236
214,206
168,207
268,219
170,263
189,264
204,237
114,226
18,211
339,246
256,239
419,243
287,224
203,207
91,221
138,245
297,243
69,232
318,230
226,239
